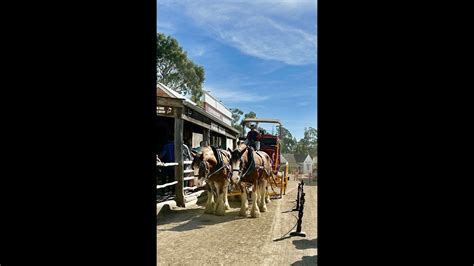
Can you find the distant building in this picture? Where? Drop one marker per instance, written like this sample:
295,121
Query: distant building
216,108
305,163
210,124
292,165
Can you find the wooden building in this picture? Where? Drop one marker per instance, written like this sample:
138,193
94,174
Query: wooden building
189,124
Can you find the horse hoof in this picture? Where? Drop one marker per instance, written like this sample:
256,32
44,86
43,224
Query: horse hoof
263,209
267,201
220,213
243,213
227,207
255,215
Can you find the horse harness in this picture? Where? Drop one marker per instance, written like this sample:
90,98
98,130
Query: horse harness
252,165
220,164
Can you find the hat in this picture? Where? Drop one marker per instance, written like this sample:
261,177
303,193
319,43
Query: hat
252,125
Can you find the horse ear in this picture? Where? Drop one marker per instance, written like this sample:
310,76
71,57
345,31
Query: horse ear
229,149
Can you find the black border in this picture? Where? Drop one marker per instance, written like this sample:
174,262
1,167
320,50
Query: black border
80,129
78,123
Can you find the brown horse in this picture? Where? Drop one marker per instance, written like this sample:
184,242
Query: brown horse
251,168
212,167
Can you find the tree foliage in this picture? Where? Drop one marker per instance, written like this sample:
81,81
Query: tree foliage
236,114
250,114
309,143
288,142
175,70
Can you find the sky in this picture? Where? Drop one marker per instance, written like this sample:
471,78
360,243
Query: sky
257,55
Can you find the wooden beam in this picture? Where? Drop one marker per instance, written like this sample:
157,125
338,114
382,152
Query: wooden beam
178,153
195,121
172,102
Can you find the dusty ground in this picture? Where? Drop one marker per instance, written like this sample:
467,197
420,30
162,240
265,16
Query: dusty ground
187,236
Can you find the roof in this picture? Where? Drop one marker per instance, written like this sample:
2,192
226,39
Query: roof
217,100
173,93
301,157
289,157
187,102
282,159
291,160
261,120
213,118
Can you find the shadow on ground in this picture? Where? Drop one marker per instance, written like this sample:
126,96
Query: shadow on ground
196,218
311,184
305,243
307,260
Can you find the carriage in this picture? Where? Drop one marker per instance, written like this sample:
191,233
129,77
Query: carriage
271,145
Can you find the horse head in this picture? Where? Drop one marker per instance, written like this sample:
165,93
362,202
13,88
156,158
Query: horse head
237,163
201,168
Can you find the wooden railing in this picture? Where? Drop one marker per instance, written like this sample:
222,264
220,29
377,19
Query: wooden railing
187,175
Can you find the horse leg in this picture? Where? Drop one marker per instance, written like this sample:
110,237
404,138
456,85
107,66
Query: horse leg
267,195
262,205
255,212
210,201
226,201
244,202
220,208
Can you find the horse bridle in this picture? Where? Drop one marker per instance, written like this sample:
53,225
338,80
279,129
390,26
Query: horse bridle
241,163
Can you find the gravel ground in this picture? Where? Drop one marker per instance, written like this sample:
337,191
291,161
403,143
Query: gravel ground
187,236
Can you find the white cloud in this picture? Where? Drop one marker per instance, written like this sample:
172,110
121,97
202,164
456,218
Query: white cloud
302,103
236,96
165,27
263,29
198,51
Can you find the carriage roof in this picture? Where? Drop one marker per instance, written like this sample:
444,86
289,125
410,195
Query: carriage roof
261,120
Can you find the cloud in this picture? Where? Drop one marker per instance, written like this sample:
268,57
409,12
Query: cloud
198,51
263,29
236,96
302,103
165,27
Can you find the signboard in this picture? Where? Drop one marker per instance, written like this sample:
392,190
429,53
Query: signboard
217,128
165,110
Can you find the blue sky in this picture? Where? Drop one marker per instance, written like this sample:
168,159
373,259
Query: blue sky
258,55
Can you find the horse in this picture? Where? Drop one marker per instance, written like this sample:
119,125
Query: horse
251,168
212,168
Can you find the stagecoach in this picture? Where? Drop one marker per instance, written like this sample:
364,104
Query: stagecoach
271,145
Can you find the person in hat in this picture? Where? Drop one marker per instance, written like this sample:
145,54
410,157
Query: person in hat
253,137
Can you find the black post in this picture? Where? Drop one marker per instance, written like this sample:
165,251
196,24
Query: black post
300,214
298,199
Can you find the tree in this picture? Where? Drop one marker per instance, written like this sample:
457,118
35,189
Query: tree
288,142
175,70
309,143
236,113
250,114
